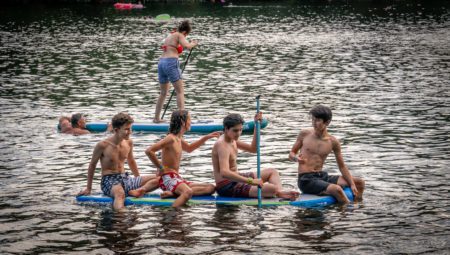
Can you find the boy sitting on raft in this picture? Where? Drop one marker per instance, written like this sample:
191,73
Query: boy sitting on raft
315,145
172,146
231,183
112,153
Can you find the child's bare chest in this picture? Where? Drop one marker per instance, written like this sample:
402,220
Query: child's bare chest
313,145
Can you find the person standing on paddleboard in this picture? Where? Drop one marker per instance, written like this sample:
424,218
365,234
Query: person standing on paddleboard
169,66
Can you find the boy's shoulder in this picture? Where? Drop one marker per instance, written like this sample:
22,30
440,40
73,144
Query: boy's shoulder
305,132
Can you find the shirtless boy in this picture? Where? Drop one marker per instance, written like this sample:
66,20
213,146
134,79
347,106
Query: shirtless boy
172,146
112,153
315,145
231,183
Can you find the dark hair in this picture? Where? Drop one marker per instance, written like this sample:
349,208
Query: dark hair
177,120
185,26
321,112
121,119
232,120
75,118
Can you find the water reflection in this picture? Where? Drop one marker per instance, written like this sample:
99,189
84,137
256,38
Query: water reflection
117,230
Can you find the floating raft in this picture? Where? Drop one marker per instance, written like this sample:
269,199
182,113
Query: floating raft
305,200
201,127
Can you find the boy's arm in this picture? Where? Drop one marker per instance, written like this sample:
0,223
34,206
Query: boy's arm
98,150
151,152
185,43
225,172
131,161
250,147
342,167
297,146
79,131
195,145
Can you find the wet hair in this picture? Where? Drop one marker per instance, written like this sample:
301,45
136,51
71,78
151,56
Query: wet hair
75,118
321,112
232,120
121,119
61,120
177,120
185,26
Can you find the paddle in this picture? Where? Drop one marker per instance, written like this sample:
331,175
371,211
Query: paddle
173,91
258,152
162,17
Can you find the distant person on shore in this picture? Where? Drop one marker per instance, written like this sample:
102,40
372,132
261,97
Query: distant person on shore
112,153
315,145
172,147
230,182
74,125
169,67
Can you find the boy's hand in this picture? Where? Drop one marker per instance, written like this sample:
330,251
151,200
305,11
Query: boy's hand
301,159
84,192
216,134
258,117
256,182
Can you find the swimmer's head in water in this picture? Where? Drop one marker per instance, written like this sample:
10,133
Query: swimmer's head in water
75,120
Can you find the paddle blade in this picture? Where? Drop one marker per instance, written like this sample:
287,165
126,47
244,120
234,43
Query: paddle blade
162,17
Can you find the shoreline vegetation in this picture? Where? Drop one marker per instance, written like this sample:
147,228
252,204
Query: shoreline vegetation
30,2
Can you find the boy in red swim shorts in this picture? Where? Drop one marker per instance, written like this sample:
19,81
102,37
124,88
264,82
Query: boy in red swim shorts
230,182
168,168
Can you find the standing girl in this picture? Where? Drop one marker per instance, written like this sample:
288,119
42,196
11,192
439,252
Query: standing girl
169,66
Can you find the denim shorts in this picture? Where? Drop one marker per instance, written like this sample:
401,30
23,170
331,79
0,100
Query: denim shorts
169,70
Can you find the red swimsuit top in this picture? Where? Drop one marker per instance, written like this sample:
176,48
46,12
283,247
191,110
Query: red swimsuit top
179,48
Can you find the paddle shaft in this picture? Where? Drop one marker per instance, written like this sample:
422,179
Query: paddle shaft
258,152
173,91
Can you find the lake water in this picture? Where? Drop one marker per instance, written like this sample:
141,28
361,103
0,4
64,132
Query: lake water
383,69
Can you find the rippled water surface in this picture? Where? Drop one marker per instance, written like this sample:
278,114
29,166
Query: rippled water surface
383,69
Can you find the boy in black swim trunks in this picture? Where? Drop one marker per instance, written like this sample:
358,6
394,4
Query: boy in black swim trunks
315,145
112,153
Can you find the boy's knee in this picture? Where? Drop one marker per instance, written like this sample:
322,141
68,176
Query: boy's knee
271,171
211,188
119,194
363,183
188,192
335,189
360,182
